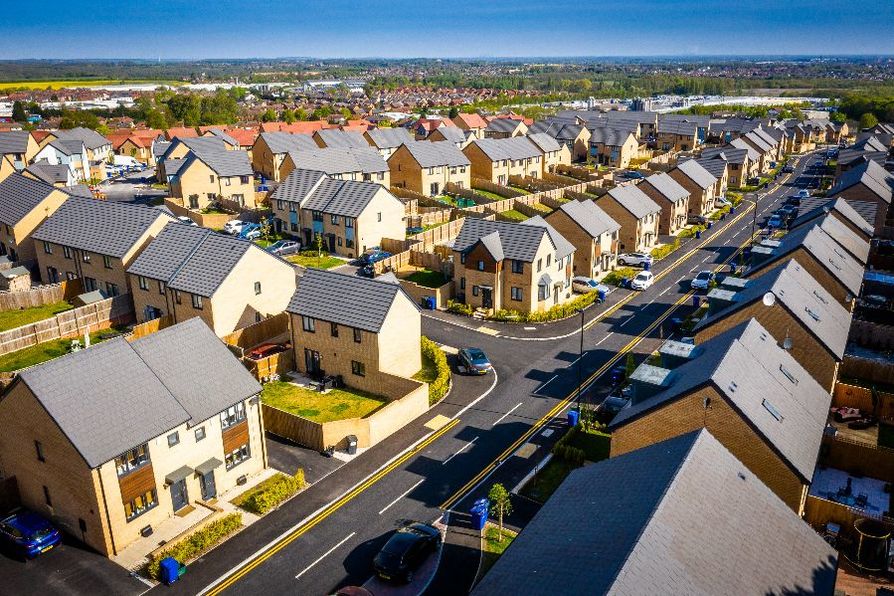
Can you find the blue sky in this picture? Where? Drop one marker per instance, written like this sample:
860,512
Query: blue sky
460,28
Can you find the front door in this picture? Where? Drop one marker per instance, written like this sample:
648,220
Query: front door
555,294
312,362
487,300
179,497
209,490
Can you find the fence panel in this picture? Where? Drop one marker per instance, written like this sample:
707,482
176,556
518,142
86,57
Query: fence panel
263,331
40,295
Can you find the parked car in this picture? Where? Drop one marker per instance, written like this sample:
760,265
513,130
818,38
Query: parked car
793,200
617,375
698,220
632,175
722,202
284,247
185,220
585,285
703,280
234,226
366,271
788,212
845,414
610,407
405,551
787,169
634,258
28,534
775,221
373,256
474,361
753,181
642,281
803,194
264,350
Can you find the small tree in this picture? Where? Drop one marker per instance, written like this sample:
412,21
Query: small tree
631,366
318,245
868,120
18,112
499,502
453,113
266,228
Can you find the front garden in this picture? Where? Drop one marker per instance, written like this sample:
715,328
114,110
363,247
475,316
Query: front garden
335,404
580,444
427,278
271,492
435,371
310,258
10,319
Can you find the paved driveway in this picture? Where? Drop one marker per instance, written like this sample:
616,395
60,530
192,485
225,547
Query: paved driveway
69,569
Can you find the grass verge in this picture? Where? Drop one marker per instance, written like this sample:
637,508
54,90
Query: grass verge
494,546
310,259
336,404
427,278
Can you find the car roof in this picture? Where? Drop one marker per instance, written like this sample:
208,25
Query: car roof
26,520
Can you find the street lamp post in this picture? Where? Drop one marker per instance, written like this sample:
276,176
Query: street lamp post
580,361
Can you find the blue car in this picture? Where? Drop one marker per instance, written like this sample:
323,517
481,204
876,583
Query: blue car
29,534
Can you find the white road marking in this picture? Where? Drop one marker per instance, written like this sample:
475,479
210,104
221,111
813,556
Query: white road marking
667,289
627,320
463,448
500,419
326,554
402,495
681,278
610,333
705,260
545,384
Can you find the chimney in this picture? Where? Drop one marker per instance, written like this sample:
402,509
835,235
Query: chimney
648,380
675,353
719,299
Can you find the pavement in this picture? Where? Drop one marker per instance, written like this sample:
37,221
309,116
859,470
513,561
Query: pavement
493,428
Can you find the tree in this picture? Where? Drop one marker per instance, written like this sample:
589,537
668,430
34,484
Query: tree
268,116
453,113
18,112
266,228
346,113
868,120
838,117
500,503
318,245
630,366
156,118
288,116
76,118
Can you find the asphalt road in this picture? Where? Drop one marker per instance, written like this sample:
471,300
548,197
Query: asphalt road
306,550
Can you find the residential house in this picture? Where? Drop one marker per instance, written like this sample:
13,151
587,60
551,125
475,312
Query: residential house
59,175
673,199
334,138
497,160
700,184
854,244
99,149
427,167
271,148
612,147
718,168
677,135
24,204
739,166
795,308
68,152
764,150
686,518
20,146
425,126
554,153
349,216
215,132
358,164
387,140
113,440
505,128
823,256
206,177
453,134
229,283
181,147
182,132
637,214
95,241
570,134
868,189
746,390
525,267
136,143
701,123
301,128
7,168
592,232
366,336
820,207
473,123
868,148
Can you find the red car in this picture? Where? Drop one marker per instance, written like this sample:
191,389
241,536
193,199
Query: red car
264,350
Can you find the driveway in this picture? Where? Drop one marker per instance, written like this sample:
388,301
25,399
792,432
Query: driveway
69,569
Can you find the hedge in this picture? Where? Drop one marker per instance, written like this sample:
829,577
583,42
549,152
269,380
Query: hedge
197,543
438,388
459,308
664,250
559,311
615,277
271,492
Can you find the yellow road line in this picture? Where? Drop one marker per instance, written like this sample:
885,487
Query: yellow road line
329,510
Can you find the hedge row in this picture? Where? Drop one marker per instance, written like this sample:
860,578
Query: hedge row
459,308
559,311
438,388
197,543
664,250
271,492
567,452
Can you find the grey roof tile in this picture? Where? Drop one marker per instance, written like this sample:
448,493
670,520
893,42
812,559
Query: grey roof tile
669,188
49,173
223,163
14,141
389,138
431,154
609,134
347,198
341,139
544,142
696,173
634,200
590,217
90,138
813,208
509,148
283,142
452,134
519,241
334,161
503,125
19,195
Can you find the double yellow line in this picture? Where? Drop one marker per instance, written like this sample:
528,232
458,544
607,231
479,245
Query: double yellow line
329,510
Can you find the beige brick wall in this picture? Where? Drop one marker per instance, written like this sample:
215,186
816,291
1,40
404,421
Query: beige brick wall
407,173
635,234
199,181
673,214
19,236
499,172
724,422
266,162
593,256
701,201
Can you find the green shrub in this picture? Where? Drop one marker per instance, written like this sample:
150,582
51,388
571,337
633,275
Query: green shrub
438,388
660,252
197,543
615,277
271,492
459,308
506,314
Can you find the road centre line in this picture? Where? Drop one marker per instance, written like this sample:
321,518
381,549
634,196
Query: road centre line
402,495
326,554
500,419
463,448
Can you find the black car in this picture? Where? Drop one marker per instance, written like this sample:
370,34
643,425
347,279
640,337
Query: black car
474,361
787,169
405,551
610,407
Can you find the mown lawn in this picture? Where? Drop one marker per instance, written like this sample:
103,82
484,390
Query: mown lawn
494,546
311,260
337,404
10,319
596,446
46,351
488,194
427,278
515,215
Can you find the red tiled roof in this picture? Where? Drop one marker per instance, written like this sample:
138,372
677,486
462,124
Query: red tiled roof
181,131
40,135
307,128
473,120
245,136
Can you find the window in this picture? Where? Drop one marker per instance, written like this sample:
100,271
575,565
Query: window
541,292
474,290
257,288
358,368
236,457
86,256
48,248
518,266
349,222
66,252
200,433
772,409
308,324
111,289
211,178
517,293
379,216
38,447
317,215
140,505
134,459
46,496
144,283
333,329
243,179
549,260
107,261
357,336
462,283
226,181
177,298
462,258
89,284
279,204
257,317
161,287
480,265
539,265
173,438
232,415
333,219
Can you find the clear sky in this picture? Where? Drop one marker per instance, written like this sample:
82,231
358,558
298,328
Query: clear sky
458,28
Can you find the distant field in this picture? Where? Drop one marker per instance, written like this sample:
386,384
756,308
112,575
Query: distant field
72,83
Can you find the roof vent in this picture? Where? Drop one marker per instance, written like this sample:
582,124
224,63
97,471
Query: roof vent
812,313
820,298
772,409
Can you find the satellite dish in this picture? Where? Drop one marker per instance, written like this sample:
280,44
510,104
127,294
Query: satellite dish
769,299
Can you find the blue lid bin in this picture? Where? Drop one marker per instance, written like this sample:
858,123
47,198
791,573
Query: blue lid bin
428,302
732,209
698,234
170,570
696,301
573,417
647,266
709,224
601,294
722,216
479,513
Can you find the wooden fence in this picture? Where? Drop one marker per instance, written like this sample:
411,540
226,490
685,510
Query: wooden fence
867,369
71,323
41,295
497,189
533,185
578,173
857,458
275,328
276,364
855,396
149,327
206,220
872,335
